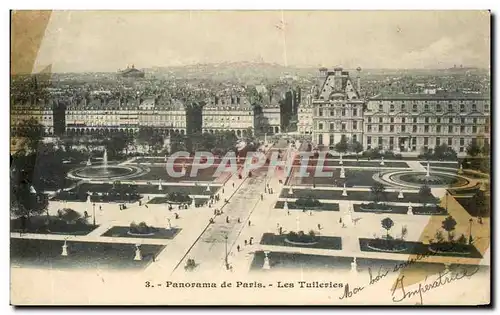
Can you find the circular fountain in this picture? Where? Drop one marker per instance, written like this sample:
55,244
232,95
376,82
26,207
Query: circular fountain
417,179
105,171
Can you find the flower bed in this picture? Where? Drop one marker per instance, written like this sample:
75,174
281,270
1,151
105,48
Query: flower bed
323,242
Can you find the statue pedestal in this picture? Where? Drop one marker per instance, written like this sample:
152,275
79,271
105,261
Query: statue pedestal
342,173
400,195
64,249
208,187
266,265
138,254
290,191
285,206
354,266
344,193
410,210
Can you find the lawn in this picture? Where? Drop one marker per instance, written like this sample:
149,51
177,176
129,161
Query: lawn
470,206
354,177
153,189
418,248
324,242
56,226
351,195
324,206
164,200
404,210
160,233
91,255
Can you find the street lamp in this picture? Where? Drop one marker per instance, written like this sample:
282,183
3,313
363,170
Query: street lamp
227,264
93,214
446,201
470,230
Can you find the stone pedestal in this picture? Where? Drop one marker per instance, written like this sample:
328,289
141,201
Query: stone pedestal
169,224
89,163
428,170
159,186
342,172
285,205
400,195
208,187
193,203
354,265
138,254
344,192
266,264
290,191
461,169
410,209
382,163
64,249
341,162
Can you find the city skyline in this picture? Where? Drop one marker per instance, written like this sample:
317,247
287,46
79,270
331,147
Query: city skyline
111,40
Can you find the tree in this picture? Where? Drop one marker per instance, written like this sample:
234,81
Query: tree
117,143
481,202
27,203
444,152
378,191
356,147
144,135
31,132
342,145
424,192
449,225
69,215
473,148
387,224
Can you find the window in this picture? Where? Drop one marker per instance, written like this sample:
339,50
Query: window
380,128
380,120
450,107
474,129
450,120
450,129
403,128
414,120
332,112
369,127
355,112
320,112
355,125
403,107
462,129
414,107
343,112
426,141
462,121
354,138
403,120
462,142
343,126
474,107
486,107
426,107
450,142
414,128
426,120
438,120
461,149
332,126
438,141
474,121
368,140
438,128
462,108
369,119
392,120
320,126
391,128
438,108
380,107
391,109
332,140
426,128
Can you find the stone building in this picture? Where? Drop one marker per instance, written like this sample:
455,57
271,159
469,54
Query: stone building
228,112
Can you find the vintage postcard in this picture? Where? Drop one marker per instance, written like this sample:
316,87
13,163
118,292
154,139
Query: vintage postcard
250,158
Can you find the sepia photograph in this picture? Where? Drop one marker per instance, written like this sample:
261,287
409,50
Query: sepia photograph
250,157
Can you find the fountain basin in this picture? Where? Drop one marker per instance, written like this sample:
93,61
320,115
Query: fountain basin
108,172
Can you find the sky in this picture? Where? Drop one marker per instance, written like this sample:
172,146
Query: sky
81,41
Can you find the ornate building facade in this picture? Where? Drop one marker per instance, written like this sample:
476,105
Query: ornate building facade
228,112
337,109
412,122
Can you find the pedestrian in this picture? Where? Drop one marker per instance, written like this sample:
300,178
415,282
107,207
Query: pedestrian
288,212
319,226
238,248
233,185
281,230
215,211
340,220
261,197
227,219
154,258
146,206
250,241
246,242
249,222
222,190
310,212
100,208
239,221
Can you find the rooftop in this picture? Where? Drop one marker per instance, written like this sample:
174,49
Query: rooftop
437,96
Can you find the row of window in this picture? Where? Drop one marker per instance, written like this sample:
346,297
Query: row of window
342,126
427,120
425,141
339,112
427,128
438,108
